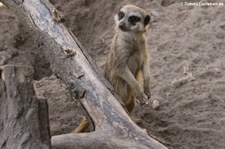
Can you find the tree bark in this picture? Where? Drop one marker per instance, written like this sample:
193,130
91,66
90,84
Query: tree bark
23,119
69,61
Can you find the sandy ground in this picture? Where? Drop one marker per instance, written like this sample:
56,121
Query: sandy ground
187,46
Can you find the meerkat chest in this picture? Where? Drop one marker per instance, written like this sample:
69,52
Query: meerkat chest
136,60
132,49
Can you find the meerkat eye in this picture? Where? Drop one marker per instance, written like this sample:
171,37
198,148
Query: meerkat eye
134,19
121,15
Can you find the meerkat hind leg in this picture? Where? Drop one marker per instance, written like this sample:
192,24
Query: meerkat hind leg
84,124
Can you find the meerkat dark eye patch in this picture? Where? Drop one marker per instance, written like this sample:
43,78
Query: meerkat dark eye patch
134,19
121,15
147,20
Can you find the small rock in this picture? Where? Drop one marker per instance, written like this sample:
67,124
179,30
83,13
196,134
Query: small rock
222,25
155,104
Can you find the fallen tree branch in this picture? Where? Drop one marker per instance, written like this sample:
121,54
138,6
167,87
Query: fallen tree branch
113,127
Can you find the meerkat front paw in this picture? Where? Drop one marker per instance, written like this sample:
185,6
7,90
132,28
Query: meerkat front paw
148,94
143,99
147,91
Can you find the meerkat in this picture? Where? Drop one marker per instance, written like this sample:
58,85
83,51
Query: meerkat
128,60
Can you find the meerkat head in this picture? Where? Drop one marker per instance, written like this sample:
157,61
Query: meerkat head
131,18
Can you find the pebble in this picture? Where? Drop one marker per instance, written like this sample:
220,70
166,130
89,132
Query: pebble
222,25
155,104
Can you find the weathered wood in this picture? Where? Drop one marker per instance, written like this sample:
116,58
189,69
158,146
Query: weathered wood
23,119
113,127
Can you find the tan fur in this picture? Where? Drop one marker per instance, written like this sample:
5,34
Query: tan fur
82,126
128,58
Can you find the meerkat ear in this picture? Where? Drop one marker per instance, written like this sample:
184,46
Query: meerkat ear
147,20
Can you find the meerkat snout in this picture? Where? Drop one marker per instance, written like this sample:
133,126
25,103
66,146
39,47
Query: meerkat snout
123,26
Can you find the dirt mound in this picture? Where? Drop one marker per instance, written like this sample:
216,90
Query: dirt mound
187,46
